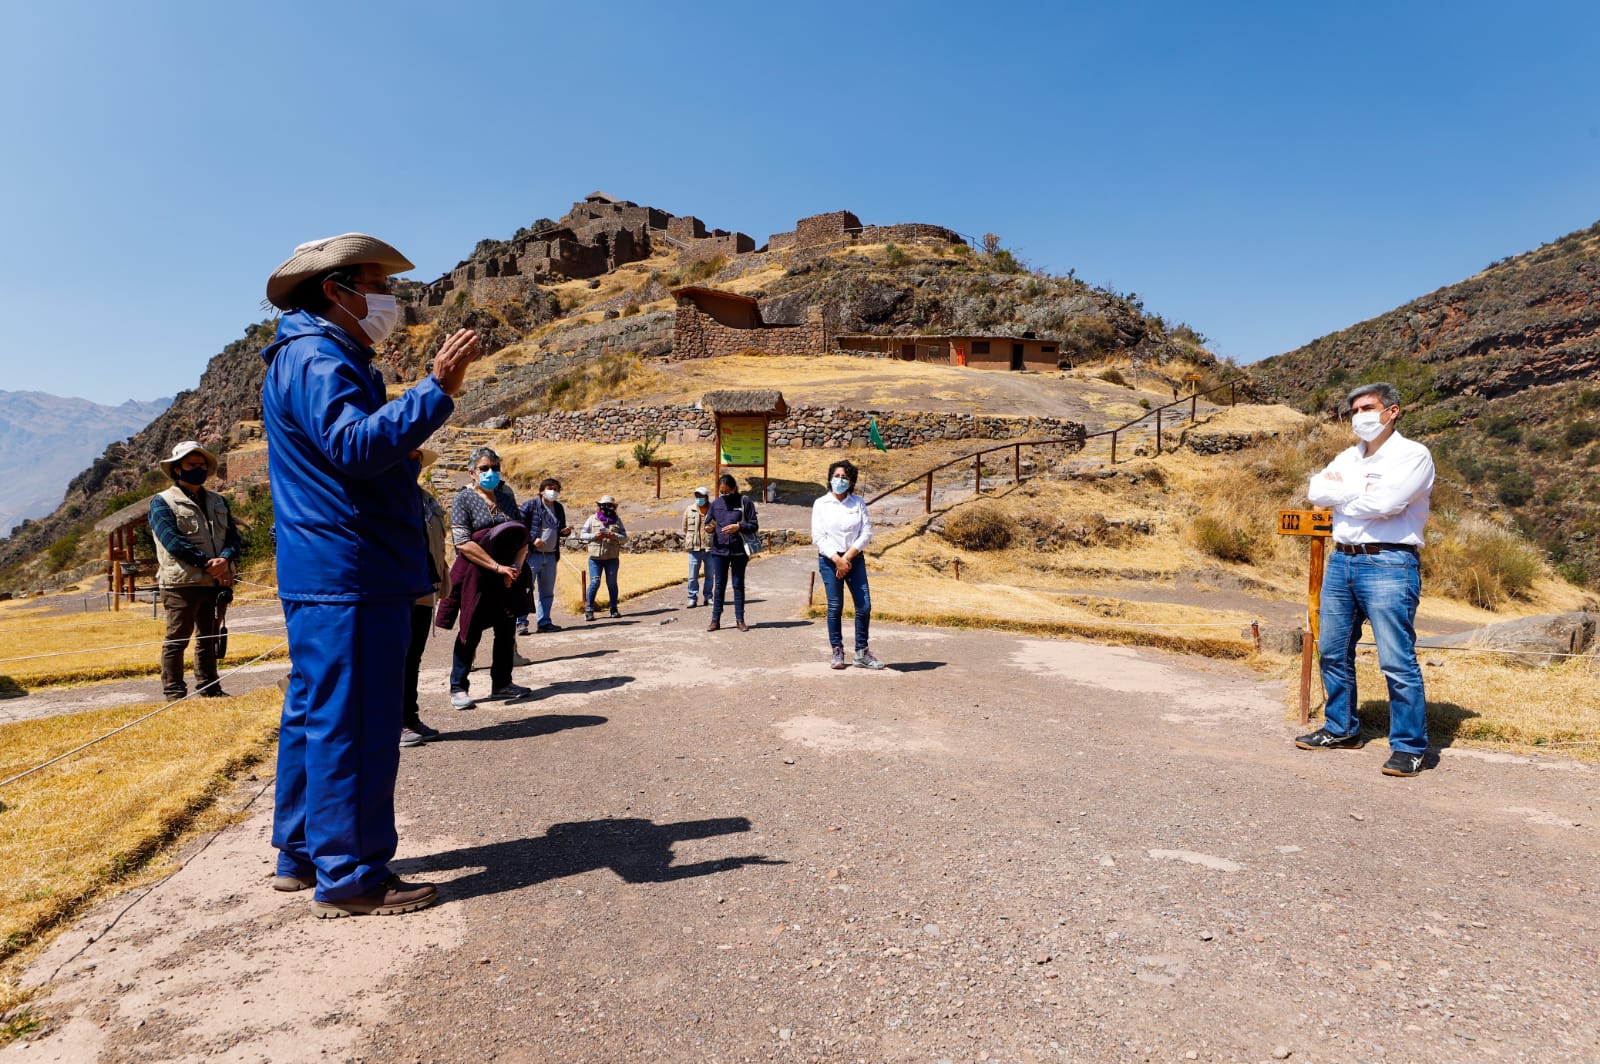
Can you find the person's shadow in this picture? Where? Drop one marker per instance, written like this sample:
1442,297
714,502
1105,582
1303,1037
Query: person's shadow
638,850
526,728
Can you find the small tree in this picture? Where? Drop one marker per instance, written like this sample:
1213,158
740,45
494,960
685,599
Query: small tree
644,453
991,243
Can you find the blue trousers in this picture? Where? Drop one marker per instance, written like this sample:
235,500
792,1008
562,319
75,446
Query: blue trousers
542,568
339,744
597,567
860,595
724,567
699,561
1383,590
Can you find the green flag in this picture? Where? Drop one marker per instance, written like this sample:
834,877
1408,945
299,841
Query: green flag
873,435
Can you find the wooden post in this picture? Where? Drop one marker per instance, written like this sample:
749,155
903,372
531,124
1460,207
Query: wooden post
811,589
1305,677
1113,446
977,474
1016,465
1255,635
958,568
927,496
1230,393
1158,431
658,482
1314,600
1193,397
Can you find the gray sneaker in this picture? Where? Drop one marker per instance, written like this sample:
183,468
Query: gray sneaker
865,660
462,700
410,738
838,658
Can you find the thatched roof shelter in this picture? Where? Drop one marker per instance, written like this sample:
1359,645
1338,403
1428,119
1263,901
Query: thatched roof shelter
766,402
135,513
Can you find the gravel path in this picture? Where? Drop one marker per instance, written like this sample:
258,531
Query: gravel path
710,847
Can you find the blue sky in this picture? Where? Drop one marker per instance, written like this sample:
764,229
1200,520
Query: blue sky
1267,172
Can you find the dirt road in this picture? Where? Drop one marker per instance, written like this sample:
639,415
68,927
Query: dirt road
710,847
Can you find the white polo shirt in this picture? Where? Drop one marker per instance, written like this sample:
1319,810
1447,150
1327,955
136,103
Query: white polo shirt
837,525
1377,498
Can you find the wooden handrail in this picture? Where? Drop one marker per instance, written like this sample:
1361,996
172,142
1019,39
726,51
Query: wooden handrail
927,474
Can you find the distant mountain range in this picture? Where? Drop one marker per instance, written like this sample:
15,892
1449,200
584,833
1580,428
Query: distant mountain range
1501,375
46,440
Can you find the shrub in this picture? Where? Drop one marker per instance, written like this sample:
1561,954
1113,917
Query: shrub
645,451
1480,562
893,254
63,549
706,268
980,526
1589,398
1223,539
1113,376
1580,432
1004,261
1515,488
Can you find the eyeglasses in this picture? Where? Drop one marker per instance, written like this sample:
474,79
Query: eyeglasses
486,468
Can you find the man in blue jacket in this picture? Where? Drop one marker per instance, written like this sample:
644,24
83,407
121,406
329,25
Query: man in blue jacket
352,558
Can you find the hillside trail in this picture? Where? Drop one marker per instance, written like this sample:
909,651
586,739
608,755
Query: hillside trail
709,846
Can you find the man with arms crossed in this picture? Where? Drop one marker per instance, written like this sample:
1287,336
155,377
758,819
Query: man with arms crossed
352,559
1379,491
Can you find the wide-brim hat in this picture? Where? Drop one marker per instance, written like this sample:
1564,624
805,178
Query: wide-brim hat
606,500
330,253
182,451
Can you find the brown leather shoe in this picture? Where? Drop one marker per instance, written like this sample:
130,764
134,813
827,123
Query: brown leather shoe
713,627
743,627
291,883
393,898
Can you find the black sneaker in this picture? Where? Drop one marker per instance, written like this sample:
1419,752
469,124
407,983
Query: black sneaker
543,628
1401,764
1323,739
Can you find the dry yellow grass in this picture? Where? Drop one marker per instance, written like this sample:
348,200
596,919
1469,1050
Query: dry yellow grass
94,822
1480,699
44,648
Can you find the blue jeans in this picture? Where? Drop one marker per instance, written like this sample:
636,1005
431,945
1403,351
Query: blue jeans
1383,590
596,567
860,594
543,568
698,560
724,566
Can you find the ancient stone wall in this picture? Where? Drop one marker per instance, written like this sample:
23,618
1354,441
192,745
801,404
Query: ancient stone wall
697,334
804,427
909,232
719,243
828,228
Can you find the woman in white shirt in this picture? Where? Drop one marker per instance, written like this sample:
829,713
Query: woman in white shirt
841,530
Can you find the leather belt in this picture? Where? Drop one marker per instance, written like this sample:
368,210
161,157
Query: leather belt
1372,548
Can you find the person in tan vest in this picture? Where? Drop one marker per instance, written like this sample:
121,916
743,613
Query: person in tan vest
197,545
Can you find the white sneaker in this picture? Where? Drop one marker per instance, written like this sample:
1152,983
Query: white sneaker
462,700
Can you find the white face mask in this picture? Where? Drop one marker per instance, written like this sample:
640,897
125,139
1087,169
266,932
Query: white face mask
551,495
1367,425
383,315
840,485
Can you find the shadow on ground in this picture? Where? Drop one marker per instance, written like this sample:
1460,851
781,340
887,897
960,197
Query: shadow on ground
526,728
640,851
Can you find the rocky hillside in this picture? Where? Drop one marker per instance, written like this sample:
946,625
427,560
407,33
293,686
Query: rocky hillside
560,293
41,435
1502,372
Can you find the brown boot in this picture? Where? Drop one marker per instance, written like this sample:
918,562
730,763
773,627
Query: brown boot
391,899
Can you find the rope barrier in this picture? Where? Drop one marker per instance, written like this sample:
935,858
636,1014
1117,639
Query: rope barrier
1498,650
117,731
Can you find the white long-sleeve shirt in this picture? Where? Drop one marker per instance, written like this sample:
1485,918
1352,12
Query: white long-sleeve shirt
1378,498
839,525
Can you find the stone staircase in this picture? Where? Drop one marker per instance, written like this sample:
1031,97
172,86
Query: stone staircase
454,446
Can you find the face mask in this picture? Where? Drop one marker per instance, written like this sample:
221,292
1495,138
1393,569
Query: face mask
1367,425
701,501
489,479
197,475
551,494
383,314
839,485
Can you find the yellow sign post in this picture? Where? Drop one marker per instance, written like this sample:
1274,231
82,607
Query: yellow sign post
1318,524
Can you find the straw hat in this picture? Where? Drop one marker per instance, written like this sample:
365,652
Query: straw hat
329,253
606,500
183,450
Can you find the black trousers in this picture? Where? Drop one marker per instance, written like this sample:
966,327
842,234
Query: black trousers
421,621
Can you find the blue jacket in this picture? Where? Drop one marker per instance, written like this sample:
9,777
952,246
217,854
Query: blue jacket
344,490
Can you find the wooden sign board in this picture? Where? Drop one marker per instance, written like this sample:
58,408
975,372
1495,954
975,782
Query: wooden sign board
1305,522
743,440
